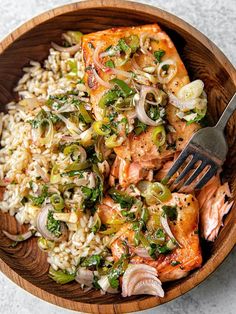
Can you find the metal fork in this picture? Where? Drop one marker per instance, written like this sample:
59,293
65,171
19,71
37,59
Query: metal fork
207,146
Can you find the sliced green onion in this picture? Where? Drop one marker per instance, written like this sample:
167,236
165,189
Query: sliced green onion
126,49
100,128
73,66
46,127
160,191
108,98
144,215
153,192
87,118
143,240
45,245
72,173
57,202
113,229
60,276
96,224
128,45
133,42
159,135
55,176
113,141
74,36
126,90
77,152
78,166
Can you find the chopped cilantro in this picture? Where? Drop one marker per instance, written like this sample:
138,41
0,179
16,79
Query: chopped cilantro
139,127
93,260
123,199
53,225
170,211
159,54
38,200
165,67
110,64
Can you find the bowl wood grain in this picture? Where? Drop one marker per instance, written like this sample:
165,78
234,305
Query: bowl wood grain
25,264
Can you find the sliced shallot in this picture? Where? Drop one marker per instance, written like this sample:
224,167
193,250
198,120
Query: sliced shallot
171,71
142,252
139,101
84,277
41,173
96,57
41,226
71,50
19,237
100,80
166,227
141,279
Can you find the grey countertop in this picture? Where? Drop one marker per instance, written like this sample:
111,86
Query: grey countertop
217,20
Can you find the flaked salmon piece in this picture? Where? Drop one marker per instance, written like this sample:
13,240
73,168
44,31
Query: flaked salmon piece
109,211
213,207
127,172
181,260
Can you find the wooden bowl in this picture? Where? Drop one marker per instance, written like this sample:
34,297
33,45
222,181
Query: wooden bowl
25,264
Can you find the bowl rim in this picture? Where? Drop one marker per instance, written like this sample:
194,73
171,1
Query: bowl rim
207,269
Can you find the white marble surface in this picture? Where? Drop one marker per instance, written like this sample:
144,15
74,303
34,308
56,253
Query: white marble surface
217,20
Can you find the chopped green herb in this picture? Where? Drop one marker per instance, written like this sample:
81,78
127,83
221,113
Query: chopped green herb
110,64
163,249
160,233
91,196
38,200
53,225
170,211
60,276
118,270
94,260
153,113
165,67
123,199
73,173
159,54
95,283
139,127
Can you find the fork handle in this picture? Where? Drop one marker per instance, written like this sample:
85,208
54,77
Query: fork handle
229,110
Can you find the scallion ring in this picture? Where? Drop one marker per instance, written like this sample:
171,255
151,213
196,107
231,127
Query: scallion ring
57,202
101,127
159,135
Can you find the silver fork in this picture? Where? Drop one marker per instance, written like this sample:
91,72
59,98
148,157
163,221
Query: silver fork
207,146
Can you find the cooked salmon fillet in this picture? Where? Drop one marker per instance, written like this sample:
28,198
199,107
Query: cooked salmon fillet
139,149
185,229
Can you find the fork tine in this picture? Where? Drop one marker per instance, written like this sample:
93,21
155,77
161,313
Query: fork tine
208,175
185,171
177,164
196,173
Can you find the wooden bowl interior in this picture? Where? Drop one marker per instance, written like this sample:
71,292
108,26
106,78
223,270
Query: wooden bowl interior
26,260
